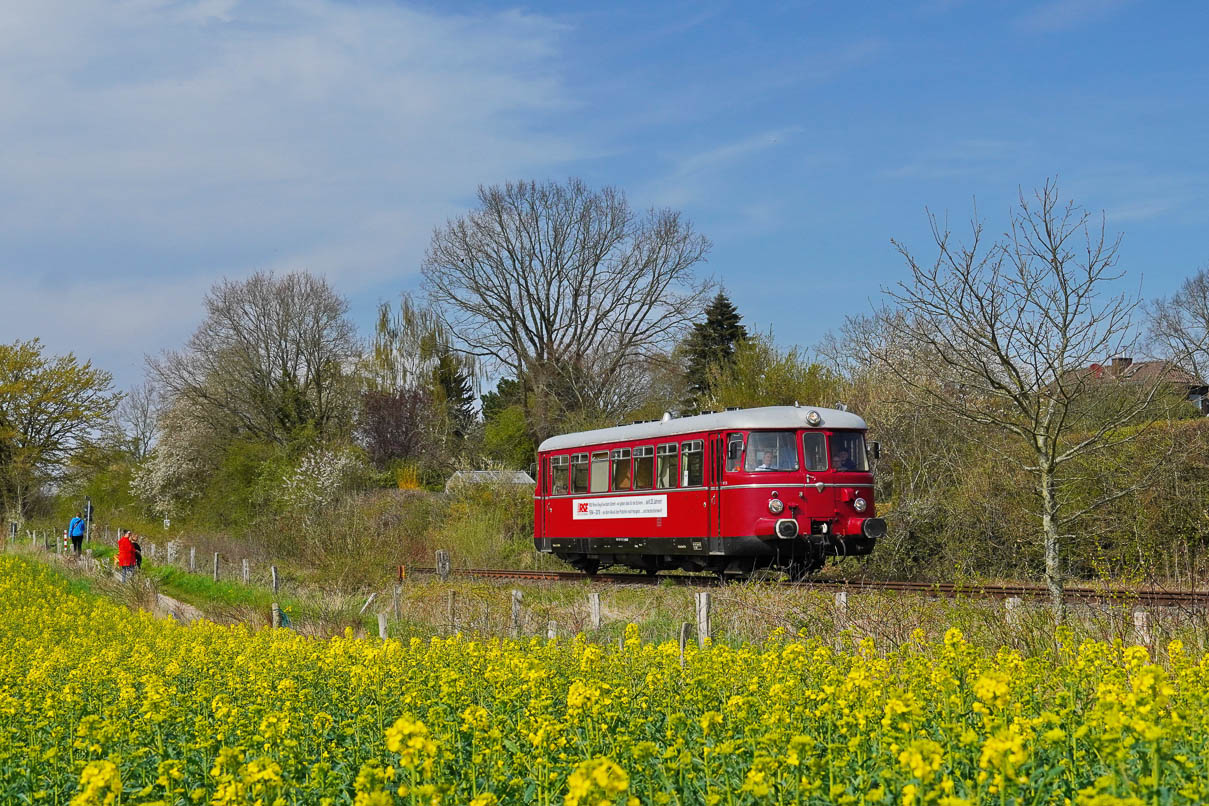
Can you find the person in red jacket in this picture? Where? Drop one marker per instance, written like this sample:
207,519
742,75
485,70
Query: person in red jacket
125,556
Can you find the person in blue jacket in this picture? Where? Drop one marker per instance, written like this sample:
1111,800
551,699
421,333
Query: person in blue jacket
75,530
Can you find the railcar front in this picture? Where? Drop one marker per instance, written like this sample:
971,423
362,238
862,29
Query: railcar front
729,492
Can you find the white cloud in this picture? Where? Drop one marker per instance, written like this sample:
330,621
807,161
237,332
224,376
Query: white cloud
216,136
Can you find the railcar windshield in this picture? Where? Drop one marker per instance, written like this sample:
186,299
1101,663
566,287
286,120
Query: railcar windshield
848,451
772,450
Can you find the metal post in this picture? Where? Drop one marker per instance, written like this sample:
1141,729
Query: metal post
368,602
703,631
594,610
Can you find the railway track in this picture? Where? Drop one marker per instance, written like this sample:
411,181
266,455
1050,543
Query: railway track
1157,597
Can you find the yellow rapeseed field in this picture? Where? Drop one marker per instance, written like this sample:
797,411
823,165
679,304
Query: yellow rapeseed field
101,705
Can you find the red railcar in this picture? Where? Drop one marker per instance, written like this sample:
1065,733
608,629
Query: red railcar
729,492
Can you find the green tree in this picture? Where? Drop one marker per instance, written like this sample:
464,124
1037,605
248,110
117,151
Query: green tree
711,343
506,439
49,409
760,374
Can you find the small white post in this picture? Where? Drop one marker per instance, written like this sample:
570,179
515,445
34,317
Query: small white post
396,605
192,559
516,613
551,629
247,571
368,602
1141,627
443,563
1011,607
216,566
382,626
594,610
703,631
273,570
841,609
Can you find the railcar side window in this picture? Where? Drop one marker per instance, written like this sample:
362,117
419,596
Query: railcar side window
693,472
734,451
772,450
600,471
644,467
579,473
848,451
814,448
621,469
558,475
665,475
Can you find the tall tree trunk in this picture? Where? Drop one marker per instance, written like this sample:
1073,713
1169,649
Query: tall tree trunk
1049,527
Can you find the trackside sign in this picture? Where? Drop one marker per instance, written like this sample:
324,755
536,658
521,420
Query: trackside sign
629,506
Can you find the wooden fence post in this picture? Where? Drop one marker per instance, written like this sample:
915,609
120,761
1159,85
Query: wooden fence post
594,610
382,626
192,559
247,571
273,571
551,629
443,563
276,615
516,613
703,618
216,566
451,613
685,629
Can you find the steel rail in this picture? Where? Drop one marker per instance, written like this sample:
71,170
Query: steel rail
1149,596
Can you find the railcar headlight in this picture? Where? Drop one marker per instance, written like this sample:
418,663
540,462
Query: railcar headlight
813,417
860,505
776,506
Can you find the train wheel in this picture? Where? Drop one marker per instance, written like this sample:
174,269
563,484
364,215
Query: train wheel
804,568
651,570
590,567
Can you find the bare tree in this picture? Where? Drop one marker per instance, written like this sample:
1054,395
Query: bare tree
271,357
1011,333
567,288
132,426
1179,325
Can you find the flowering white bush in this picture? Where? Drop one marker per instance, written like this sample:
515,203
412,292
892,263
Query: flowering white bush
319,478
176,470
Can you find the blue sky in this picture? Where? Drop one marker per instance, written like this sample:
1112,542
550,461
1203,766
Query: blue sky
152,147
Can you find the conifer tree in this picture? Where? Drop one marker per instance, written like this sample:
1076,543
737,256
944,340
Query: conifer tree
710,343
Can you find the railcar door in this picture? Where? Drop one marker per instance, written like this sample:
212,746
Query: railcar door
717,461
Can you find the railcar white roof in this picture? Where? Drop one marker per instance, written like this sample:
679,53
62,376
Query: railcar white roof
744,419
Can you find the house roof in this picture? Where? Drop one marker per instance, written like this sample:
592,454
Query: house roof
746,419
1145,372
488,477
